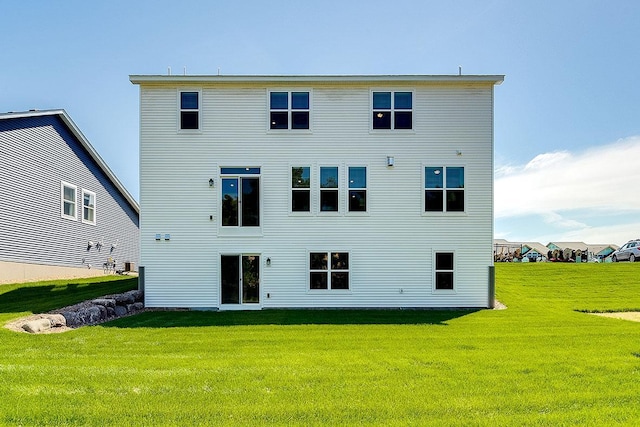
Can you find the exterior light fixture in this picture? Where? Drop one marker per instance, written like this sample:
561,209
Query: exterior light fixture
390,161
211,182
268,262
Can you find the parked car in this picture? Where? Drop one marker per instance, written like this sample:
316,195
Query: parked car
630,251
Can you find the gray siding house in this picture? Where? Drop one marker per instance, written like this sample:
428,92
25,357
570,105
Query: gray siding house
63,213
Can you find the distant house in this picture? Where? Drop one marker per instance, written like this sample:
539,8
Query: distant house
63,213
593,251
316,191
534,251
602,251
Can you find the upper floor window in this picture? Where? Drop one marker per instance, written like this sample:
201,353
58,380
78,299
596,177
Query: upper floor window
240,197
301,189
88,207
329,189
189,110
289,110
444,189
68,201
357,189
392,110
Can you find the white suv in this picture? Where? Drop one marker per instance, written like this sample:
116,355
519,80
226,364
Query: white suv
630,251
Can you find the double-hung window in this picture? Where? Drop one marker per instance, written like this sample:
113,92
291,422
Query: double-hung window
357,189
328,270
289,110
301,189
88,207
444,189
329,191
240,197
444,271
392,110
68,201
189,110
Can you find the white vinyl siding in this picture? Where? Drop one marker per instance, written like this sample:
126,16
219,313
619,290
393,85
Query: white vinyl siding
390,248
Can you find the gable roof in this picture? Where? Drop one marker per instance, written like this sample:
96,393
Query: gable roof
537,247
571,245
84,142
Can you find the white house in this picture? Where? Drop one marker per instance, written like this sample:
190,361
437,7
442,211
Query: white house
316,191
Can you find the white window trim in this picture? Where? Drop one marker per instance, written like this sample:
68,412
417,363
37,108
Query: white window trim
291,189
413,110
64,184
95,208
444,212
329,290
289,90
366,189
179,110
454,271
239,230
340,189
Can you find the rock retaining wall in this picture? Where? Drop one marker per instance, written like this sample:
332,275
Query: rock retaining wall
90,312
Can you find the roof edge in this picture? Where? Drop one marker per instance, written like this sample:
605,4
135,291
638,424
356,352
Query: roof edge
75,131
444,78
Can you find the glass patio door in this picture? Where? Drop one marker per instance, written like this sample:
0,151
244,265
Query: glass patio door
240,279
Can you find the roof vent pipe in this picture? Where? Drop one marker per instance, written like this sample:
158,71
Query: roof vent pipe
168,71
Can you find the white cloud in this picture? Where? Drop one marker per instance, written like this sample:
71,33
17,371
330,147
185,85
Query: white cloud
558,221
603,178
565,196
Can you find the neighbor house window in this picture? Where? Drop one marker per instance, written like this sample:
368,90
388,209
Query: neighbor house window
392,110
301,189
329,189
68,201
329,270
88,207
289,110
357,189
444,271
443,189
240,197
189,110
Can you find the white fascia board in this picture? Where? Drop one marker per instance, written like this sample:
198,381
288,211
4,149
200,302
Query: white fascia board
193,79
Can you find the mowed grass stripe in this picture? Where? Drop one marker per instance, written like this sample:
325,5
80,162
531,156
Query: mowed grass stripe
540,362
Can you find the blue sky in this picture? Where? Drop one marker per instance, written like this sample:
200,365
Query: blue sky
567,117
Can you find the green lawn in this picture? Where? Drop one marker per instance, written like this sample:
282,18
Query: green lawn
540,362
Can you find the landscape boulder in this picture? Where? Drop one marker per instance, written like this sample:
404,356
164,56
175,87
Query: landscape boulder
121,310
38,325
57,320
90,315
71,318
106,302
124,299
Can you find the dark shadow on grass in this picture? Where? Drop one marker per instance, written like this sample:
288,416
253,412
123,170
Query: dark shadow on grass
54,295
187,319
